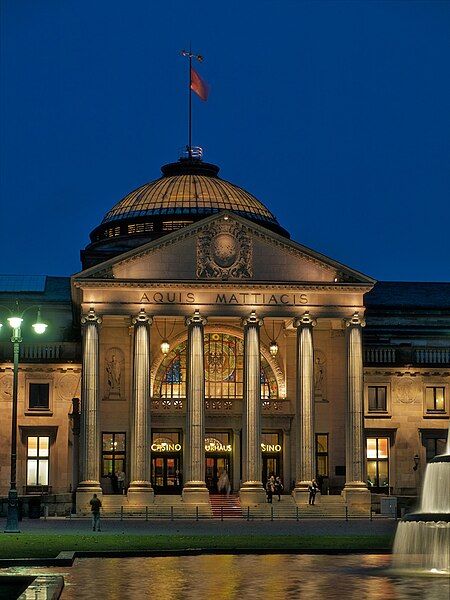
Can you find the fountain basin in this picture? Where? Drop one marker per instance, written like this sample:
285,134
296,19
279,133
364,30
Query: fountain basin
427,517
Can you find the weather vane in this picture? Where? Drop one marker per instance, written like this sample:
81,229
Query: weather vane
197,85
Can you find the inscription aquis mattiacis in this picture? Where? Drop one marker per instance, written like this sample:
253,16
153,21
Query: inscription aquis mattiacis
237,298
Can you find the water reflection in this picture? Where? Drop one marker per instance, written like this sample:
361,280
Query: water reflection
278,577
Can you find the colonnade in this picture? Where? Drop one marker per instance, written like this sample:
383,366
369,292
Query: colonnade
194,490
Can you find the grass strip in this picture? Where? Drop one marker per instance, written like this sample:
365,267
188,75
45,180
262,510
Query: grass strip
31,545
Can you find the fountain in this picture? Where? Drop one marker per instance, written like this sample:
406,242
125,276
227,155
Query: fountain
422,541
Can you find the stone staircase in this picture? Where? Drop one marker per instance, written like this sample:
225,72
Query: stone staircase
164,507
225,507
326,507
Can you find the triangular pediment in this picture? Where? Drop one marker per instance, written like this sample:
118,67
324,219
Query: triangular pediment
224,247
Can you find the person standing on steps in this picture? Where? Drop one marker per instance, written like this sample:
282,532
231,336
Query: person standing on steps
312,489
95,509
278,487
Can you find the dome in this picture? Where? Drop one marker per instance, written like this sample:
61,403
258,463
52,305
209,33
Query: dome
189,190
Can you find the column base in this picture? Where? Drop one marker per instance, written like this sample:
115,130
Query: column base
84,494
252,493
140,493
195,492
355,493
301,493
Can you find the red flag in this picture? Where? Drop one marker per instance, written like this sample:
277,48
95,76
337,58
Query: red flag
200,87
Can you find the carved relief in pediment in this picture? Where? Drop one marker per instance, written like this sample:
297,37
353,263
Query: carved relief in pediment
224,250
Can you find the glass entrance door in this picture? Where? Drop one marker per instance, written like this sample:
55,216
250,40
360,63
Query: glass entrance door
271,466
214,467
166,474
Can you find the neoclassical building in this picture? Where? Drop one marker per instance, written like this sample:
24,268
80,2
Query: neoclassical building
200,338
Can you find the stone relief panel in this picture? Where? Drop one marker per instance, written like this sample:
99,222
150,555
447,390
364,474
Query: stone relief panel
114,374
224,250
6,382
407,390
68,386
320,376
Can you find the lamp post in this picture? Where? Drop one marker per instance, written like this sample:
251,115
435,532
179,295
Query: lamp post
15,322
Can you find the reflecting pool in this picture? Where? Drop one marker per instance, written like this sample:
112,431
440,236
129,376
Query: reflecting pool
225,577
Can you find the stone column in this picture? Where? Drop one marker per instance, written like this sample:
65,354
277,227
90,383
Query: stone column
287,481
194,490
304,412
236,459
252,491
355,490
140,491
90,434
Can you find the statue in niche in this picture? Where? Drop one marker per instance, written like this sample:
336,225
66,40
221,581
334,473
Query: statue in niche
320,384
114,364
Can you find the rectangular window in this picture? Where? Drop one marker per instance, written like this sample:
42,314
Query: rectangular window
377,454
39,396
377,396
322,454
113,453
434,446
435,399
37,460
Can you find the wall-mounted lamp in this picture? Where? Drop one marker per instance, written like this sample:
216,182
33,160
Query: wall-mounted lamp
416,459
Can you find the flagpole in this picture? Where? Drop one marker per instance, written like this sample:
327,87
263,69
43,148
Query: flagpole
190,104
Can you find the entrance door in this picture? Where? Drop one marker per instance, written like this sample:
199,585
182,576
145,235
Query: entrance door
271,466
166,475
214,466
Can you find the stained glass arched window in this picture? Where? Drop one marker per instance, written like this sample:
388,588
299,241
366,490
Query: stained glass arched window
224,371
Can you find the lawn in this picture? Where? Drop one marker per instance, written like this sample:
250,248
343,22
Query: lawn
27,545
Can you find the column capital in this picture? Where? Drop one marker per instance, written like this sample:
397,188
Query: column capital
355,321
142,318
252,320
91,317
195,319
306,320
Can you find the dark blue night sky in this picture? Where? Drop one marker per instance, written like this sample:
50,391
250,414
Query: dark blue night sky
334,114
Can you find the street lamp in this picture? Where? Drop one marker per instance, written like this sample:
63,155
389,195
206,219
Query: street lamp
15,321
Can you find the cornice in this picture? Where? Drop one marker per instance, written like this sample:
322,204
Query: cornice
263,285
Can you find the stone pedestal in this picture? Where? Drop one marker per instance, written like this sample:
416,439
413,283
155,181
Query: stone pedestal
355,491
194,490
252,491
89,431
140,491
304,413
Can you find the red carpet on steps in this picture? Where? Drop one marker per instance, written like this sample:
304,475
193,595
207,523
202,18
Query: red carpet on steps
226,506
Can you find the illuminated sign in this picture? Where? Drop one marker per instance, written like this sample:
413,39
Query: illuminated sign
214,445
239,298
159,446
270,447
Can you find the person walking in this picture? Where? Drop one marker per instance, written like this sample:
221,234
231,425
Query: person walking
223,485
95,509
278,487
313,489
270,489
120,482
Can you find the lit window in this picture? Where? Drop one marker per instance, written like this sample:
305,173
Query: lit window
173,225
377,395
37,460
322,454
39,396
378,462
435,398
113,453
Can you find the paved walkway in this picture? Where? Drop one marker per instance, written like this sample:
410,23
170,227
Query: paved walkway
214,527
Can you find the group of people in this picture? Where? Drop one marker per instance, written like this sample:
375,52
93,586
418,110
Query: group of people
117,482
274,487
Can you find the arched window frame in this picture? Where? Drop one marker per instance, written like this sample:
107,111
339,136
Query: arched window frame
270,362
